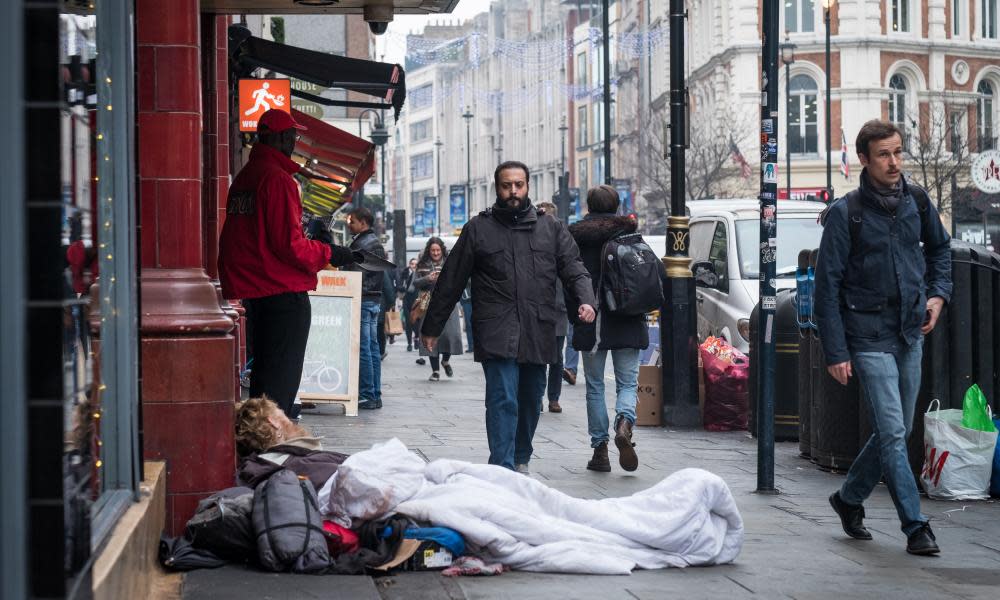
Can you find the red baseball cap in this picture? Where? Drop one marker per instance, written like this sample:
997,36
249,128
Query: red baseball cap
276,121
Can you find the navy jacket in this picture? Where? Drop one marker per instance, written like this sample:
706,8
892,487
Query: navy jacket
873,298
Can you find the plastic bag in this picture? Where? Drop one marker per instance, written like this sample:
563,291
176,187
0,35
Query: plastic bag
727,374
976,410
958,461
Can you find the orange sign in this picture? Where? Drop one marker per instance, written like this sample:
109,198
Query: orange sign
257,96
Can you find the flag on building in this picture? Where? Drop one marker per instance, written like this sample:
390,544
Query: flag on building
845,166
745,170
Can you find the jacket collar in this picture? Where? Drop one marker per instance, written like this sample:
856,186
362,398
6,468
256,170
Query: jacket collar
870,197
525,216
269,154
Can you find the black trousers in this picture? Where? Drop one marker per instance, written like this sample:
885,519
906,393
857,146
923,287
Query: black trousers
279,328
554,388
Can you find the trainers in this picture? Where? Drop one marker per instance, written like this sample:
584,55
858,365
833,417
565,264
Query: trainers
851,517
447,369
569,376
409,347
369,404
627,457
600,462
435,376
922,542
554,406
522,468
421,361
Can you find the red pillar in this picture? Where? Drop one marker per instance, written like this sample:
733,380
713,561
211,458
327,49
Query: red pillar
186,343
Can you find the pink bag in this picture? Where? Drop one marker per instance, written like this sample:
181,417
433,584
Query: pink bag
726,386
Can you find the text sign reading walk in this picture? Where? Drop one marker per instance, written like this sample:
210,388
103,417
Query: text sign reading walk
257,96
330,369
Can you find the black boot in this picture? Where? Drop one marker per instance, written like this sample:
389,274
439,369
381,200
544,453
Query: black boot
922,542
600,462
627,457
851,517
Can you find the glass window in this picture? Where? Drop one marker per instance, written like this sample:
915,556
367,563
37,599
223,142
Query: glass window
985,116
581,127
988,19
420,131
421,97
957,17
701,240
802,115
581,178
897,102
800,16
901,15
718,252
955,131
794,234
422,165
581,68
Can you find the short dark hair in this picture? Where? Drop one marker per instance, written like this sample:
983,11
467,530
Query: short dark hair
603,199
510,164
362,214
873,131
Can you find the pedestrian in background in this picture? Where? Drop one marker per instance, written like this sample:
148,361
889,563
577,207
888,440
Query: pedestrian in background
388,305
467,314
450,343
553,388
408,293
872,323
621,335
359,222
514,256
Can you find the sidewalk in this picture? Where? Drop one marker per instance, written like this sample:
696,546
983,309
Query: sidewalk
794,546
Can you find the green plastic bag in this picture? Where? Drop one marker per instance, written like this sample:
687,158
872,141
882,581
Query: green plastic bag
975,411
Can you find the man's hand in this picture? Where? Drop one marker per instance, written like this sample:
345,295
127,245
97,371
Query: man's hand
841,372
586,313
934,306
434,276
430,341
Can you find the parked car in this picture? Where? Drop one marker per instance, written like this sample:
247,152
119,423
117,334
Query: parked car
725,252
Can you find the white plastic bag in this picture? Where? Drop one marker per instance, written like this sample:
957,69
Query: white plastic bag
957,461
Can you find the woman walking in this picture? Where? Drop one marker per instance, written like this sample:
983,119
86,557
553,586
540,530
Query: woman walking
450,343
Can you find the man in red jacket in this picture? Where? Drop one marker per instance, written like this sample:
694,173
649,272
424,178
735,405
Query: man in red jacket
266,261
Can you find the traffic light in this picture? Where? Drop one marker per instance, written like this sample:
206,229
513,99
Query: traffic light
826,196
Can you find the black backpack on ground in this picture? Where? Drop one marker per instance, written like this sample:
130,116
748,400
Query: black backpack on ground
631,281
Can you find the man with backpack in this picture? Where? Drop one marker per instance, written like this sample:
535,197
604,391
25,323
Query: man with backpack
627,281
882,277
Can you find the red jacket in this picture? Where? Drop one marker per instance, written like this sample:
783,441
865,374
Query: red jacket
262,251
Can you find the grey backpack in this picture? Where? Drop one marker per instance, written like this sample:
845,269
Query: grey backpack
288,526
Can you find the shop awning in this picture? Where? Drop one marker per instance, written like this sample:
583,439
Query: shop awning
381,80
336,163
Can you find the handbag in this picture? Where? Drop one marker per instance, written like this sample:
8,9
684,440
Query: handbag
420,306
393,323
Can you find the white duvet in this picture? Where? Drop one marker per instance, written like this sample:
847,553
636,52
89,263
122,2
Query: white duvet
687,519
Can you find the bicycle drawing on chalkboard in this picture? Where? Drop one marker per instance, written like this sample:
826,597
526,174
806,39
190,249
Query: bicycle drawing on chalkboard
327,378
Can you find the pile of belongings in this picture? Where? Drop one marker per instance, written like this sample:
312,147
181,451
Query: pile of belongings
727,377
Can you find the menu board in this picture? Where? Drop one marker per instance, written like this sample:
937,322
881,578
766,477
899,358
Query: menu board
330,369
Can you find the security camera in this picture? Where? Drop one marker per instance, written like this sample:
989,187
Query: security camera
378,14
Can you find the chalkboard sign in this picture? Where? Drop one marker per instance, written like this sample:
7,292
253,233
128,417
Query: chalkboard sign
330,369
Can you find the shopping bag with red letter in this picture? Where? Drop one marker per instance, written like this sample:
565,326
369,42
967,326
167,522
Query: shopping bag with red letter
957,460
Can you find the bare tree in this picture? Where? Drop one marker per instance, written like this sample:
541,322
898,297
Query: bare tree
938,155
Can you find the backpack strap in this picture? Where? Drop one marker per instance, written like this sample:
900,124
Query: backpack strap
923,201
855,211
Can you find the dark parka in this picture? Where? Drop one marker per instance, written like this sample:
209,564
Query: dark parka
513,258
608,331
371,281
872,297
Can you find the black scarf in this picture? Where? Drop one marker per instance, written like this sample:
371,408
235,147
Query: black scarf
511,215
887,198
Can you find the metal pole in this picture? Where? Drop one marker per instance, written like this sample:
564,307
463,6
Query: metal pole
437,184
678,317
829,134
468,161
788,133
606,27
768,249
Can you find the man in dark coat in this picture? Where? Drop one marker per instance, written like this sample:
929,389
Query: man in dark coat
621,335
359,222
513,256
882,278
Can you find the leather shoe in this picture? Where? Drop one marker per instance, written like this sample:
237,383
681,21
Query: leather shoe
569,376
600,462
627,457
922,542
851,517
554,407
370,404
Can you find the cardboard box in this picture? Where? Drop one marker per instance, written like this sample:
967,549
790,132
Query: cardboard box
649,408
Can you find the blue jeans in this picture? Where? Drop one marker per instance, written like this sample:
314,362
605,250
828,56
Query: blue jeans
572,356
467,317
626,362
370,365
513,400
890,383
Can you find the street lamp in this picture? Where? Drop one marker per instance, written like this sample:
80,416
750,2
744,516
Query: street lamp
467,115
379,136
563,183
788,57
437,205
827,5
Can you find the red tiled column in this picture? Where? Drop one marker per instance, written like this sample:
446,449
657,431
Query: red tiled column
187,347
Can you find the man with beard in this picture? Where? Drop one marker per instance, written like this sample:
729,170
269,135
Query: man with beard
513,255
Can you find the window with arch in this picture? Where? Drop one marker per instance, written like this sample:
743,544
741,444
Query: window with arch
988,19
803,134
800,16
985,116
897,101
900,17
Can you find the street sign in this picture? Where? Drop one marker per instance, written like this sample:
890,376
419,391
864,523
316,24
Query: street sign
986,171
257,96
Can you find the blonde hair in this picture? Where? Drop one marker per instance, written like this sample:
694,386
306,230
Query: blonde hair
254,433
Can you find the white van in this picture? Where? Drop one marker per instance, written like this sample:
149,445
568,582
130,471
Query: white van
725,253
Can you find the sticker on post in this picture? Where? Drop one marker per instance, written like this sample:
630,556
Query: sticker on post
767,126
768,303
770,172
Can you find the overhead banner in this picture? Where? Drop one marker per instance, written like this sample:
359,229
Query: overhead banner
430,213
257,96
456,196
418,223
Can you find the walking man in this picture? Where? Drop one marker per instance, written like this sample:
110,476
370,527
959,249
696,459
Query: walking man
878,292
359,222
514,257
267,262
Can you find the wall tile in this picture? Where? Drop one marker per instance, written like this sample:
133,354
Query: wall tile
178,79
170,145
187,370
178,213
174,22
195,439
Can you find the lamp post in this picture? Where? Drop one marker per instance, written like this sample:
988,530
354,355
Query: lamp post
827,5
788,57
437,203
563,177
467,115
379,136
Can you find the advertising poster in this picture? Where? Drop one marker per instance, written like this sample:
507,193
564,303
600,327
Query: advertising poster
456,202
430,214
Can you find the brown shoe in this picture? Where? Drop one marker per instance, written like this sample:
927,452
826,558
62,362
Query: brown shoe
600,461
554,406
626,448
569,376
